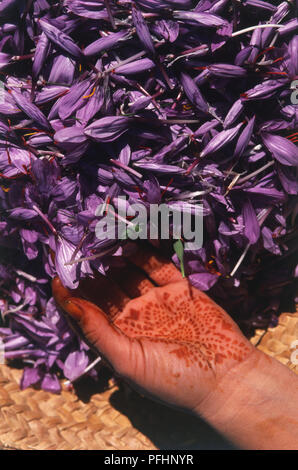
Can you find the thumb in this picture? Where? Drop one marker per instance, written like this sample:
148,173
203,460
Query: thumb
111,342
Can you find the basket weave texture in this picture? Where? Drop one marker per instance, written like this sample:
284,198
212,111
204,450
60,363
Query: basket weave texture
115,419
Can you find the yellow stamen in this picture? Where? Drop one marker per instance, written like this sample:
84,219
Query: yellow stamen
31,133
91,94
5,189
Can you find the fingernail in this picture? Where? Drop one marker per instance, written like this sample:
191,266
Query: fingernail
74,309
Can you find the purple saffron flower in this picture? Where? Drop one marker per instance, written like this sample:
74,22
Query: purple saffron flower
220,140
200,19
4,59
41,52
108,128
74,99
91,9
50,383
193,93
260,4
283,150
75,364
135,67
142,29
224,70
233,113
61,39
106,43
62,71
167,29
264,90
244,138
31,110
250,221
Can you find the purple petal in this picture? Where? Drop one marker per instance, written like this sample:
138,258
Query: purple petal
244,138
220,140
74,99
91,9
93,105
282,149
264,90
30,249
50,93
269,241
75,364
193,93
4,59
200,19
21,213
203,281
167,29
31,376
67,273
41,52
70,136
233,113
161,4
16,342
73,141
250,221
292,56
106,43
125,155
31,110
288,27
62,70
288,179
108,128
50,383
30,236
268,195
158,168
135,67
142,29
226,70
61,39
260,4
243,55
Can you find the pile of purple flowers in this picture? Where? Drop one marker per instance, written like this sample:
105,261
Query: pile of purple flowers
159,101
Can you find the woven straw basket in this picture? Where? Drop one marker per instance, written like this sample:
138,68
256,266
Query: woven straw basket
115,418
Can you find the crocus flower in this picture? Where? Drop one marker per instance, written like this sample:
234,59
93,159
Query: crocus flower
106,43
30,109
60,39
283,150
108,129
142,29
220,140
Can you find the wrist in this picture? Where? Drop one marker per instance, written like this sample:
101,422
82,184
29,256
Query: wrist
255,404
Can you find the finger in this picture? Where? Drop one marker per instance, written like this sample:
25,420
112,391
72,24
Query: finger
131,280
95,325
105,293
160,270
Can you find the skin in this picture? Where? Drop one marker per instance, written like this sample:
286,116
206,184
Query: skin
175,344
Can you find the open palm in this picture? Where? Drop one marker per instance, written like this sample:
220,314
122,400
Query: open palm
156,330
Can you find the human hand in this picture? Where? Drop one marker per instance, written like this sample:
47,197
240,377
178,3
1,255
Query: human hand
156,330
